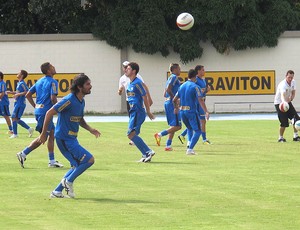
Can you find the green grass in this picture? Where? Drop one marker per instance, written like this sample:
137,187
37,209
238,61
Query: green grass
245,180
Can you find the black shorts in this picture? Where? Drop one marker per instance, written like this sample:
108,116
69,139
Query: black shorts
285,116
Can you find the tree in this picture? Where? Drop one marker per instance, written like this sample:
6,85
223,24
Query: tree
15,17
149,26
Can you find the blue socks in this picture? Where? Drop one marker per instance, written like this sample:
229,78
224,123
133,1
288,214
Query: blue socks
190,133
141,145
15,127
184,132
23,124
78,171
195,138
204,136
169,142
51,156
164,133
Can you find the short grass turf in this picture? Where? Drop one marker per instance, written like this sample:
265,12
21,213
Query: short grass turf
244,180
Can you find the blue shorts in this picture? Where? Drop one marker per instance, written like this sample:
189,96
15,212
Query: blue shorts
172,118
191,120
201,113
73,151
136,119
40,123
18,111
4,110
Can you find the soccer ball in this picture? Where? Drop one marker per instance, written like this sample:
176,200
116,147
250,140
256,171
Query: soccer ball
297,125
284,106
185,21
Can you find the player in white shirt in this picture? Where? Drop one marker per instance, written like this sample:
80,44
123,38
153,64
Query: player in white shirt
285,92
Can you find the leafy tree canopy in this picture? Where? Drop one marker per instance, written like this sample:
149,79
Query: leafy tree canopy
150,26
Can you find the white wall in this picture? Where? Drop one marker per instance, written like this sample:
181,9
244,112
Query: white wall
82,53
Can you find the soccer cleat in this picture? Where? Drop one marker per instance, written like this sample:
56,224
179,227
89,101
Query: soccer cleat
10,132
56,164
296,139
190,152
13,136
168,149
30,131
281,140
207,142
55,194
68,187
151,153
181,138
141,160
157,138
21,159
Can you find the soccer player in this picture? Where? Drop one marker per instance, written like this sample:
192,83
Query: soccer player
4,104
137,98
204,89
124,82
173,119
190,96
46,96
20,104
286,91
70,112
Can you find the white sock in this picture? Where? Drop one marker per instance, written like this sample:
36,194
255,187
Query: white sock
295,134
280,137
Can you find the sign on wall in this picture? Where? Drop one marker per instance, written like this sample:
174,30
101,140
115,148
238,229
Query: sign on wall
64,81
238,82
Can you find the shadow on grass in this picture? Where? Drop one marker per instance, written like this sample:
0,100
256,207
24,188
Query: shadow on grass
108,200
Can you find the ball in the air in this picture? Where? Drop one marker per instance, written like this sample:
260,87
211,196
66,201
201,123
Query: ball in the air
185,21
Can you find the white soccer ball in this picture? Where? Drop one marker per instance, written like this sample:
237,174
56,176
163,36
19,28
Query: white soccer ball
185,21
297,125
284,106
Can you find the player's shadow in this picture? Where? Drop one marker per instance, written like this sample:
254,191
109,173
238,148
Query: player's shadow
108,200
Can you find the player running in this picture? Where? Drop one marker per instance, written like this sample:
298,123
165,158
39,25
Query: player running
20,105
190,96
70,112
173,119
46,96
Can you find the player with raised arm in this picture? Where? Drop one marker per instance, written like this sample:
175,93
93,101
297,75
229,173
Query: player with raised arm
46,96
20,105
70,112
190,97
173,119
285,92
137,98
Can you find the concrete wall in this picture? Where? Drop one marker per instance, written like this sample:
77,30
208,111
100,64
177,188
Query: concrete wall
71,53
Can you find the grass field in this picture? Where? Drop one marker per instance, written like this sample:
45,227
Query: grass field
245,180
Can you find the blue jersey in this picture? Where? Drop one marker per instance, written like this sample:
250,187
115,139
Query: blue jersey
21,87
175,82
135,92
44,89
4,100
202,84
189,92
70,112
